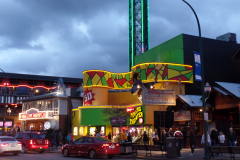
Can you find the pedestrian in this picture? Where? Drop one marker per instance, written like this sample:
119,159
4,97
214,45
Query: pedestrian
54,138
71,136
179,135
232,138
14,131
109,136
184,136
99,134
164,137
68,138
203,140
123,136
154,134
145,138
129,137
60,138
170,133
192,142
18,130
221,138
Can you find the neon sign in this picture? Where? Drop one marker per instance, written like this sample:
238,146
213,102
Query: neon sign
137,114
130,109
36,114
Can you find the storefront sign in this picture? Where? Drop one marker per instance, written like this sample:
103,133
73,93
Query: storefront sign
7,124
88,97
35,114
47,125
118,120
130,109
136,115
182,116
158,97
197,59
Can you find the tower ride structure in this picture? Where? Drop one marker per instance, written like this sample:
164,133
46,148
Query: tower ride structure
138,28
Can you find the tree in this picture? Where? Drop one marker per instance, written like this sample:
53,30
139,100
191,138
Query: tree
117,115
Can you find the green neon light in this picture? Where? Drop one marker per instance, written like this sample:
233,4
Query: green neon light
132,33
142,3
129,43
148,23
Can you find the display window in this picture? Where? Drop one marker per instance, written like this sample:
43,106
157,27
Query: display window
75,131
81,131
92,131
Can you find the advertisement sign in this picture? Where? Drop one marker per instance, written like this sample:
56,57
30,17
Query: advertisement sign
88,97
158,97
137,114
182,116
35,114
47,125
197,60
118,120
7,124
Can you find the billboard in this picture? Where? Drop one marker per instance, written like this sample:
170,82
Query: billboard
182,116
158,97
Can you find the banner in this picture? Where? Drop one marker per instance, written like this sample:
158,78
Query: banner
197,60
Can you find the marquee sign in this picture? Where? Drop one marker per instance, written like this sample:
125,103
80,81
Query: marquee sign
7,123
35,114
182,116
158,97
136,115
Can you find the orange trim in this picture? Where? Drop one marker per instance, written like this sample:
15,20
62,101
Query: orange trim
27,86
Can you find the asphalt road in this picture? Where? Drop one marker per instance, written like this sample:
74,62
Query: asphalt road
44,156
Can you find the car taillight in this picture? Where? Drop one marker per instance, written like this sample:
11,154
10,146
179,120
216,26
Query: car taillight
19,144
4,144
117,144
31,142
46,141
105,145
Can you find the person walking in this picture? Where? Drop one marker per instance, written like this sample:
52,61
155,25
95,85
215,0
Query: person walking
164,137
221,138
60,138
145,138
192,142
208,139
54,138
129,137
170,133
184,136
110,136
154,134
179,135
68,138
232,138
124,136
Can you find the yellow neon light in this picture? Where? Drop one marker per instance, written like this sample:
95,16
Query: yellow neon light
105,71
175,64
108,106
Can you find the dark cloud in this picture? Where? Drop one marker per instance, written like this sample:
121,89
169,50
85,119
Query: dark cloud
66,37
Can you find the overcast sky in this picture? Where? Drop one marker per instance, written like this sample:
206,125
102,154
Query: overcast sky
66,37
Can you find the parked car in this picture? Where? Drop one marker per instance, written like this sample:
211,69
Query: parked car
92,147
32,141
10,145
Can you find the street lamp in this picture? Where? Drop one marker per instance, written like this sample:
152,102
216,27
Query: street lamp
4,108
202,84
207,90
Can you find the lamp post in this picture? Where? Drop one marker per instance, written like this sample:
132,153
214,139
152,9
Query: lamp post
203,92
4,108
9,111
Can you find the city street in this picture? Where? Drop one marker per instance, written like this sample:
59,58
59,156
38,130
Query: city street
52,155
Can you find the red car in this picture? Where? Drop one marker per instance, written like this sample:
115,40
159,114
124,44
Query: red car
32,141
92,147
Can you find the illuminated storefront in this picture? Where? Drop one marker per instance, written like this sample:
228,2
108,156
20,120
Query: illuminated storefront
103,89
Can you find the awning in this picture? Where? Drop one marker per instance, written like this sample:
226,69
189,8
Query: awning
193,100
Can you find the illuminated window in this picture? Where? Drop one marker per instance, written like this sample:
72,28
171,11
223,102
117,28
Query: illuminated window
55,110
24,107
33,104
50,105
81,131
46,105
42,105
75,131
39,105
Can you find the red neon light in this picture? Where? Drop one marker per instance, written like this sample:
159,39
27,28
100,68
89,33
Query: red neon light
33,115
130,109
8,85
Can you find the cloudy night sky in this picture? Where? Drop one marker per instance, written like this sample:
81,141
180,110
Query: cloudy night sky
66,37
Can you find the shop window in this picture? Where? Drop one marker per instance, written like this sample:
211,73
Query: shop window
50,105
81,131
75,131
55,110
46,105
24,107
198,115
42,105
